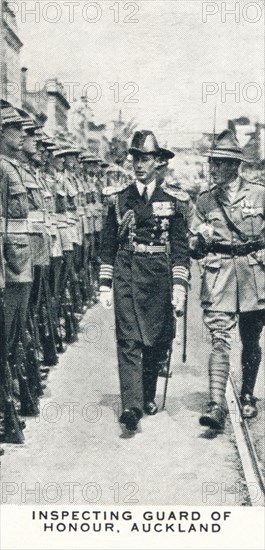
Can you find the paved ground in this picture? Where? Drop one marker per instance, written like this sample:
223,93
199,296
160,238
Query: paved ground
76,452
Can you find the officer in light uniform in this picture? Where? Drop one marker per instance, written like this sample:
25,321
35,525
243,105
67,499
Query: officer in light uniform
228,232
145,254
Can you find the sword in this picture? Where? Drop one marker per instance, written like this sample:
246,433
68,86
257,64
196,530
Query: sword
168,369
185,329
167,377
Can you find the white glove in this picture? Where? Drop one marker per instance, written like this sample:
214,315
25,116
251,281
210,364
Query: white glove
106,297
179,297
207,231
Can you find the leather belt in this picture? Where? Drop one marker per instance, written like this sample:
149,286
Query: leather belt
37,216
141,248
71,218
236,249
61,220
17,226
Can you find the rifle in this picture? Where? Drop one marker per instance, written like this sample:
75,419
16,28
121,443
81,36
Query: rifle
28,401
83,275
66,304
75,283
13,426
33,363
60,348
48,337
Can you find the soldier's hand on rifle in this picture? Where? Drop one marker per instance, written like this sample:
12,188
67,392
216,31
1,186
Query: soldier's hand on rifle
179,297
106,297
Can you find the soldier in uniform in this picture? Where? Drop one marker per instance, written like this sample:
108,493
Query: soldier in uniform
40,301
94,213
228,232
66,229
145,253
18,254
45,146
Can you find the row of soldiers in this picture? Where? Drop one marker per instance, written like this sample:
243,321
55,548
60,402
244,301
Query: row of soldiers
50,230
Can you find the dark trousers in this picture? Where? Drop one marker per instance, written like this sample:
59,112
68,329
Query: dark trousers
138,371
55,278
16,307
250,327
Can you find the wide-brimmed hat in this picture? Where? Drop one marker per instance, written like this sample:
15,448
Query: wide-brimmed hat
166,154
27,122
144,142
9,115
226,146
45,140
65,147
93,159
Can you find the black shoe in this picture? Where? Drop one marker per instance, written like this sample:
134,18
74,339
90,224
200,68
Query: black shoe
150,408
130,417
214,417
61,348
44,369
249,407
2,452
163,372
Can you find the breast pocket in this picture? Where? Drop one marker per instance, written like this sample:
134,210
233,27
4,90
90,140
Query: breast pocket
17,253
253,220
211,273
18,203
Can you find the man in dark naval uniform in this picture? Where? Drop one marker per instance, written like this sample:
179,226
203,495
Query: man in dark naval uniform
145,253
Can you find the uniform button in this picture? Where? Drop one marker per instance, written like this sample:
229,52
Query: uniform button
152,235
151,244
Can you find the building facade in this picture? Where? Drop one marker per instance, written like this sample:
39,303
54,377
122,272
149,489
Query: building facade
11,45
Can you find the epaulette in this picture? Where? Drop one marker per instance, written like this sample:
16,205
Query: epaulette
176,192
260,183
14,162
111,190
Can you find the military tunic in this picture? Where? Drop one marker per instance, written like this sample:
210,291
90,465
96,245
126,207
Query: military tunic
143,280
39,234
233,282
17,250
16,210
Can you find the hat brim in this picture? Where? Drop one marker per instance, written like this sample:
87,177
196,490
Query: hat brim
226,155
67,152
15,123
90,160
135,151
166,154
